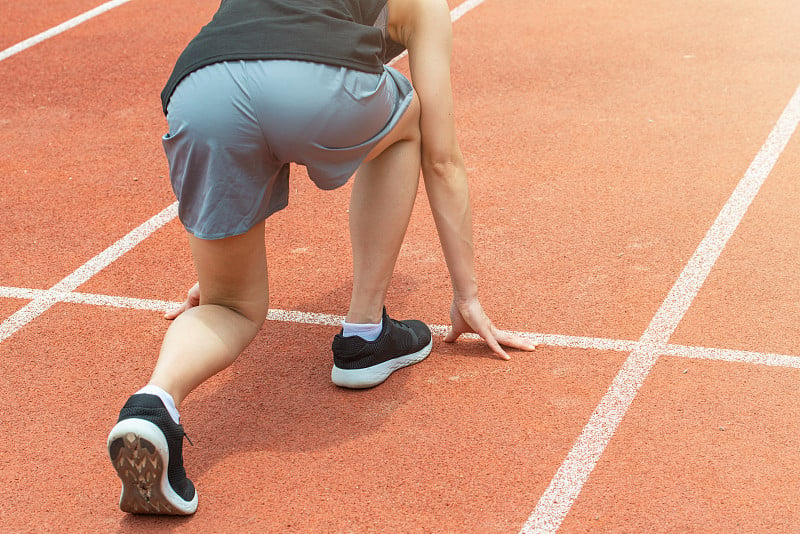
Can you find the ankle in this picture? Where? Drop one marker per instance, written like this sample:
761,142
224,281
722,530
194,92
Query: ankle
367,332
166,398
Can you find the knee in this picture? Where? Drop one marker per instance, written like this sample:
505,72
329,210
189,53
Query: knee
254,310
253,307
257,311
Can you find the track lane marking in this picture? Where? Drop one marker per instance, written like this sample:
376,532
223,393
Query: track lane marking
45,300
568,481
311,318
61,28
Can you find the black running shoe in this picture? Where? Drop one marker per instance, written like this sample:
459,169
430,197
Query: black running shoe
363,364
146,449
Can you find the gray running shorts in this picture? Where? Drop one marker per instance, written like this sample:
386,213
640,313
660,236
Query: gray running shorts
234,128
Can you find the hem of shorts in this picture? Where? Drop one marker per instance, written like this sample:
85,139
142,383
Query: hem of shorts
339,181
243,229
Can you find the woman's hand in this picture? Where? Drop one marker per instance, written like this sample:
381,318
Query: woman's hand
468,317
192,300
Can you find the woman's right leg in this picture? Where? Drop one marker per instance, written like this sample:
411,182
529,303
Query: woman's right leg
380,208
381,203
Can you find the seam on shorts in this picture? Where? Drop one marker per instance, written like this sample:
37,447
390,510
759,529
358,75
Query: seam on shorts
250,92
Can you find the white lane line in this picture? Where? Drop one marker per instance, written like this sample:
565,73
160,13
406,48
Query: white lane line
464,8
43,301
552,340
729,355
61,28
564,488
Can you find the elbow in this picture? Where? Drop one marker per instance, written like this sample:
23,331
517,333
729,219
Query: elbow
441,165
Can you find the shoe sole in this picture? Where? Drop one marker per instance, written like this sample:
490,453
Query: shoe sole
140,455
376,374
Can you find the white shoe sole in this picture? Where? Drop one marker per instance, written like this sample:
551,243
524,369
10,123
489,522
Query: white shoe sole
372,376
139,453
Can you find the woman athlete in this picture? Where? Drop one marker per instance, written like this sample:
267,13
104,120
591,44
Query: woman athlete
272,82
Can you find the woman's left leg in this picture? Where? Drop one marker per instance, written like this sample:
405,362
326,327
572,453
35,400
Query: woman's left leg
234,298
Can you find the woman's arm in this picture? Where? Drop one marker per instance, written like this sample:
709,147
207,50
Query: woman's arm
424,27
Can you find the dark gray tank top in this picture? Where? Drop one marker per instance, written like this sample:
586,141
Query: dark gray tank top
346,33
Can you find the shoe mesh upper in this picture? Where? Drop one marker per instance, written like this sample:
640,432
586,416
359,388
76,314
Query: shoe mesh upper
397,339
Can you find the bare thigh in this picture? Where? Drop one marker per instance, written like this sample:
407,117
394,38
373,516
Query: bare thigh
232,272
407,129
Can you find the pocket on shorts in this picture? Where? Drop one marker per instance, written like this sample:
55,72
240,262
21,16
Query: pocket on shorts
364,106
362,85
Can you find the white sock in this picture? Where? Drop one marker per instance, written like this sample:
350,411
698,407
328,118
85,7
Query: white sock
166,398
368,332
